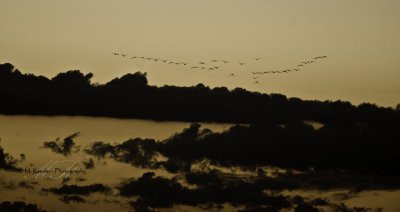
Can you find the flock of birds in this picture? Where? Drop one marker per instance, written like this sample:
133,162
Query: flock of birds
216,64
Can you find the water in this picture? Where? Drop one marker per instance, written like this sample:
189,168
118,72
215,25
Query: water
26,134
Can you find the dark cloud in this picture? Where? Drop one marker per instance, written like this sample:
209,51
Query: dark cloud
138,152
89,164
19,206
80,190
160,192
64,147
8,162
72,198
28,184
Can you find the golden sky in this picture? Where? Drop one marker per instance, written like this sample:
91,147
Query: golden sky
361,38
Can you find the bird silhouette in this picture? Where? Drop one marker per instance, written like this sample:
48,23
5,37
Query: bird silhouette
257,58
232,75
242,64
214,61
256,82
164,61
202,63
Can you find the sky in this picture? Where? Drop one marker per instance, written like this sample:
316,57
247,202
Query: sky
360,37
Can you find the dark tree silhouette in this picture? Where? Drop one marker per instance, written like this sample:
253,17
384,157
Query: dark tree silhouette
130,96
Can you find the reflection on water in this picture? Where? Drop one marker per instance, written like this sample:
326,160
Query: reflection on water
27,134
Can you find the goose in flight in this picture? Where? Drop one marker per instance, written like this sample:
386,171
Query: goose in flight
194,67
242,64
115,54
225,61
216,67
123,55
214,61
256,82
202,63
257,58
232,75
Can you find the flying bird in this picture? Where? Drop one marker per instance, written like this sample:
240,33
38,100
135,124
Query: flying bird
202,63
232,75
257,58
242,64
